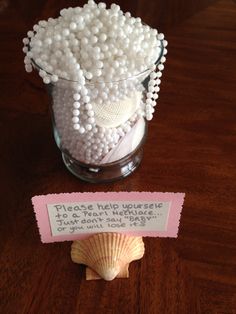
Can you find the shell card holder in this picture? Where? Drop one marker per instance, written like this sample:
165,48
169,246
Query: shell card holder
107,229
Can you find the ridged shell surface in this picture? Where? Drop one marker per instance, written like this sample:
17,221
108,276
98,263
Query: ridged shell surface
107,253
114,114
92,275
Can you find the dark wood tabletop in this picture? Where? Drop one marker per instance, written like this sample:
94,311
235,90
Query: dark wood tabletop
190,148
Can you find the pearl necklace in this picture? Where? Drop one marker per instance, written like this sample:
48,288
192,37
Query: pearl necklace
98,54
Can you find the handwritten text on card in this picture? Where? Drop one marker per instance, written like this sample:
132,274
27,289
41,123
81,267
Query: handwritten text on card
102,216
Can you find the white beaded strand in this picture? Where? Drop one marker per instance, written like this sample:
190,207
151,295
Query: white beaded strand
154,82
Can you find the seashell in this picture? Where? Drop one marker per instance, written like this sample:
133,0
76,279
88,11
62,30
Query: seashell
108,254
92,275
113,114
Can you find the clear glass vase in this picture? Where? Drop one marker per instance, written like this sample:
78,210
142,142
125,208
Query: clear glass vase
110,145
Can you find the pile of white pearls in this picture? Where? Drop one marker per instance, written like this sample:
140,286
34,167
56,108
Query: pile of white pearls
90,146
94,50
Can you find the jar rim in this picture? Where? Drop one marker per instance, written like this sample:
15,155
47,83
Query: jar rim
149,68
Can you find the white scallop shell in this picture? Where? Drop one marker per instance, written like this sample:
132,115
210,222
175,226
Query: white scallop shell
108,254
113,114
92,275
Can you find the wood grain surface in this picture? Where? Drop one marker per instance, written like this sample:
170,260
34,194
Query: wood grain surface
190,148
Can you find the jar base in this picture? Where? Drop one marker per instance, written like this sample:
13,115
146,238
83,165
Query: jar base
103,173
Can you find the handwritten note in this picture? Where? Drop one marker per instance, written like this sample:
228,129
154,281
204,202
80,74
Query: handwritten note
70,216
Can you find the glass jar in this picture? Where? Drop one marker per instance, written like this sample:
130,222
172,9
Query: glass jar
109,146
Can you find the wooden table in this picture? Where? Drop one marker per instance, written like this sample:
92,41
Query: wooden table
190,148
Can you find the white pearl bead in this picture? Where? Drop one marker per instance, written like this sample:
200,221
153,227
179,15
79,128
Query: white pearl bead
149,95
38,43
84,91
94,39
43,23
29,54
115,7
75,119
88,106
127,128
76,96
148,107
25,40
54,78
48,41
153,75
97,72
76,112
90,113
102,37
81,130
163,59
36,27
153,67
57,37
29,68
161,67
99,64
84,41
76,126
66,32
30,34
165,43
151,82
42,73
27,61
95,30
149,116
72,26
91,120
151,89
86,99
88,127
104,47
46,80
102,5
76,105
155,96
89,75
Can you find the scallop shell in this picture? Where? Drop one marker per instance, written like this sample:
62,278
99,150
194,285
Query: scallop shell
92,275
108,254
113,114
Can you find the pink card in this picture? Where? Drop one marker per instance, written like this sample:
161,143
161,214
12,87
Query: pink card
70,216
